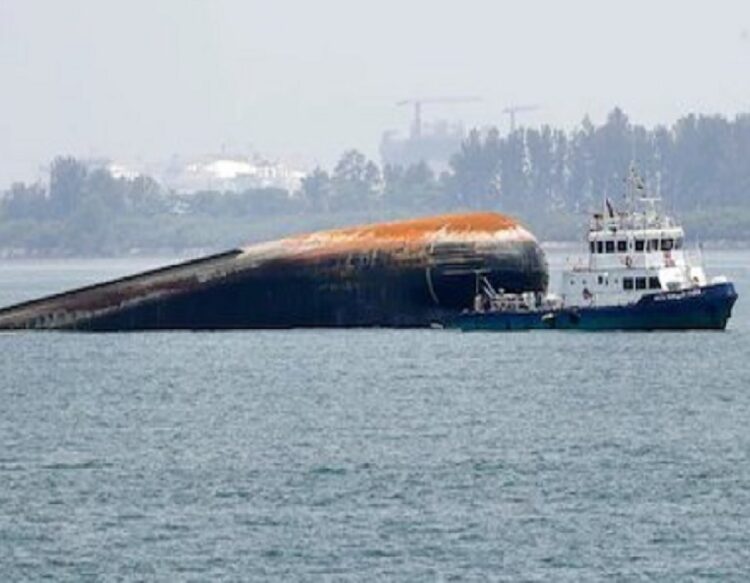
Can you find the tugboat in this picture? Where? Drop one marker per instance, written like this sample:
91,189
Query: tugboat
636,276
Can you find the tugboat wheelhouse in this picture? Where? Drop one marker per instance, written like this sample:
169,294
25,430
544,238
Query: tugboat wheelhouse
635,250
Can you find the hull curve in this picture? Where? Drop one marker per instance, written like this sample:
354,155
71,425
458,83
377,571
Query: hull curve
400,274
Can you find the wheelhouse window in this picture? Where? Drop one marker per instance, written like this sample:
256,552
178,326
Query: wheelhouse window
640,283
654,245
599,247
640,244
610,246
653,283
627,283
622,246
667,244
592,246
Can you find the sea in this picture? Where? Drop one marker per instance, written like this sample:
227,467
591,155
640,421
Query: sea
368,455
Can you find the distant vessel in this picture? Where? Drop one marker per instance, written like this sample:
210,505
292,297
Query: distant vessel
636,276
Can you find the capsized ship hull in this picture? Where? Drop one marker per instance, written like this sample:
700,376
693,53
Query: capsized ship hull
400,274
702,308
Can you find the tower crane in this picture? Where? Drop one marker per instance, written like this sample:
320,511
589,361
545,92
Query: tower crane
512,110
416,128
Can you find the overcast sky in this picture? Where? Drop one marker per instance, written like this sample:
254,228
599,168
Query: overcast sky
145,79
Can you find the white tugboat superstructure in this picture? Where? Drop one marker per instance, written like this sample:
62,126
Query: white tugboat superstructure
631,253
636,276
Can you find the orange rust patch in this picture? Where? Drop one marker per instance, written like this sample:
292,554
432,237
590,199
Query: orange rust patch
410,238
417,229
409,235
414,230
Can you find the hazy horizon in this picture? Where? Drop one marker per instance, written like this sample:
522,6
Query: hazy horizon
138,81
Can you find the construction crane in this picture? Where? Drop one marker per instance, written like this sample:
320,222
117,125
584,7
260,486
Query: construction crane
512,110
416,128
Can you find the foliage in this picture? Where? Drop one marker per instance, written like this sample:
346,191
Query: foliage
356,181
548,177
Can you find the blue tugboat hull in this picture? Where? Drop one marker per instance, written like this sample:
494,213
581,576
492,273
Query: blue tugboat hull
703,308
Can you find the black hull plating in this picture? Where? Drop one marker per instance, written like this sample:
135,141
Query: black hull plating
287,296
340,291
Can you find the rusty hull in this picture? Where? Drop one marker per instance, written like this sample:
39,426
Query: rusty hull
402,274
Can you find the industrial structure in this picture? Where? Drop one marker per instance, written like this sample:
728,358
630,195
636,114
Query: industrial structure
433,143
513,110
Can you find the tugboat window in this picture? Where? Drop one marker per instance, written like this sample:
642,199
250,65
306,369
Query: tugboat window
593,247
610,246
627,283
654,244
640,283
653,283
622,246
601,280
599,247
639,244
667,244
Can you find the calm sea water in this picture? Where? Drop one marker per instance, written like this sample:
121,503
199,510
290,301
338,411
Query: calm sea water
364,455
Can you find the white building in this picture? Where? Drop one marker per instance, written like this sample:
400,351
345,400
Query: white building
232,174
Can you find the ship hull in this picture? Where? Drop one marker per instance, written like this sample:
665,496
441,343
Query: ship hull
401,274
704,308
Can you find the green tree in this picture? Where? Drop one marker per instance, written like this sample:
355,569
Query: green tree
476,170
514,179
316,190
107,192
23,201
67,185
144,196
393,185
413,187
356,181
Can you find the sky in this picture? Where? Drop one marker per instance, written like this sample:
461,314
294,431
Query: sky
143,80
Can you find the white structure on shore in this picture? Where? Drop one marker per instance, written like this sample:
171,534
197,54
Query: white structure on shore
231,174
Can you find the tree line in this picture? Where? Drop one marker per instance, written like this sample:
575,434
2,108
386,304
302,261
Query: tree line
700,165
700,162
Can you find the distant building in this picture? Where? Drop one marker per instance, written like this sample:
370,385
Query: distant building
116,169
230,174
435,144
119,170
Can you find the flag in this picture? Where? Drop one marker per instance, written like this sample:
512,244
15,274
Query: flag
610,209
